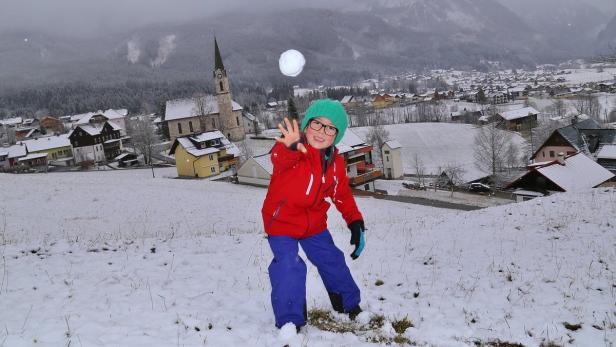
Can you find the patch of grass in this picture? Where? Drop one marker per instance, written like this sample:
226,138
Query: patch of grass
376,321
549,344
323,320
400,325
497,343
379,282
572,327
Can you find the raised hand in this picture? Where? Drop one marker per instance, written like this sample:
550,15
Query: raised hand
291,135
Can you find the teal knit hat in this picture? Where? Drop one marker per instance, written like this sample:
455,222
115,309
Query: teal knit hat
330,109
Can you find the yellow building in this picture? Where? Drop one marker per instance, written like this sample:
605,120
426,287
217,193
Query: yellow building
57,147
203,155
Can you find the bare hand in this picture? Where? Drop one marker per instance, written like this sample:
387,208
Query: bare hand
291,134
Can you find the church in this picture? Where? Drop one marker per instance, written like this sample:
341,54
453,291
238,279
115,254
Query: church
205,113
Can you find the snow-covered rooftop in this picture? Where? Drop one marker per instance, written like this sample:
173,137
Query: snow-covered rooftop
188,108
33,156
393,144
578,172
607,152
11,121
265,161
45,143
519,113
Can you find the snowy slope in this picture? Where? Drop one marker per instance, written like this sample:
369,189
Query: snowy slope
438,145
119,258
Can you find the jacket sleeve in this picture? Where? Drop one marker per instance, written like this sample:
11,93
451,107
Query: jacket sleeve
341,195
284,158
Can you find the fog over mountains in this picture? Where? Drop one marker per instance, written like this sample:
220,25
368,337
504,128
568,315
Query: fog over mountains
343,42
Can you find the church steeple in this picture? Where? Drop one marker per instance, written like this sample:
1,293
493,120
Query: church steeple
217,58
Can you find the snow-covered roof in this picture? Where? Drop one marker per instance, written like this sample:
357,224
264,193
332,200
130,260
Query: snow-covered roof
188,142
393,144
33,156
45,143
91,129
4,151
265,161
11,121
16,151
349,142
519,113
578,172
190,148
607,152
346,99
527,192
84,118
188,108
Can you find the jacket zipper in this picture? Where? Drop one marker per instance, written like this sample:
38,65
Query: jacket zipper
275,215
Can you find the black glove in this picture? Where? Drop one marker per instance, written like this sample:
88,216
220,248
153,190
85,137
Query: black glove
357,237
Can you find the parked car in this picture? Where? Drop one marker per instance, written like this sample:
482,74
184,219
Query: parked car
413,185
479,187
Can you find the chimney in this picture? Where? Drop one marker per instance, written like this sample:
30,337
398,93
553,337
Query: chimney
560,157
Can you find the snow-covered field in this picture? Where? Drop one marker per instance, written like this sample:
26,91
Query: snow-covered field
118,258
437,145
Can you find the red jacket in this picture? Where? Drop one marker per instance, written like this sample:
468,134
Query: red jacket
295,203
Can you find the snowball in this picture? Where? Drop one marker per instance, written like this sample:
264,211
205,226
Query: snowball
291,63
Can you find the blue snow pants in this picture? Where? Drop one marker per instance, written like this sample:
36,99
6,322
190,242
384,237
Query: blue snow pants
287,274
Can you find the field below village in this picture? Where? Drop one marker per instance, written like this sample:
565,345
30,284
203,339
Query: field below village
121,258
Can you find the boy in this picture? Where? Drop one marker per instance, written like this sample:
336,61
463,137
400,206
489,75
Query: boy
307,169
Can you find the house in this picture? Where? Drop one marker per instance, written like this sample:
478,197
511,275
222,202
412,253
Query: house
26,132
185,117
256,170
497,98
606,157
57,147
11,122
51,125
517,92
4,158
466,117
95,142
358,157
566,173
357,154
37,161
251,123
382,100
126,159
14,153
391,152
117,117
586,136
203,155
520,119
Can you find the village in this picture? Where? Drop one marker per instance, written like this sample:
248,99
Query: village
472,138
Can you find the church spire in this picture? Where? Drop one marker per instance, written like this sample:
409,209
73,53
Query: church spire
217,58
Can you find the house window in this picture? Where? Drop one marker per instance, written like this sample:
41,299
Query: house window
211,157
543,153
213,169
237,120
551,154
386,152
387,158
179,128
190,126
213,123
221,88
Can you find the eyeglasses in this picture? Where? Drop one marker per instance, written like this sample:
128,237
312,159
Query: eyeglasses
329,130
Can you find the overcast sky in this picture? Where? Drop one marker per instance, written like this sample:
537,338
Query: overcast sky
89,17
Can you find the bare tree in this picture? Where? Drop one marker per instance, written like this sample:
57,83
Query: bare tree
491,145
455,175
246,152
589,105
377,136
143,136
420,169
204,106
